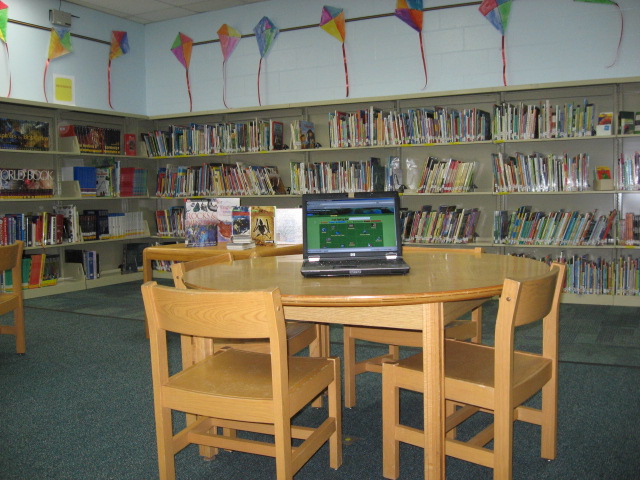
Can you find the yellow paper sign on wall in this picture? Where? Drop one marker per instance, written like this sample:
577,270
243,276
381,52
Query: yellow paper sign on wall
64,89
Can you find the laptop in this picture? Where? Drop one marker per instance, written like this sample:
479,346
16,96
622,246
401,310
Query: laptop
355,234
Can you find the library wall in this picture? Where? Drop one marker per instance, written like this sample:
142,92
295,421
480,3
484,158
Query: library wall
28,47
546,41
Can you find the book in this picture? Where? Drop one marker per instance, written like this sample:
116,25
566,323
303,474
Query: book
37,268
225,217
132,257
51,270
605,121
241,222
104,182
130,147
276,141
263,225
24,134
240,246
626,122
201,222
26,183
288,226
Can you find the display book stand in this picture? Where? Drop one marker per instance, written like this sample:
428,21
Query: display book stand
609,95
61,151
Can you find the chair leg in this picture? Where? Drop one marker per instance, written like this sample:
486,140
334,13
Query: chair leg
390,419
164,436
503,444
18,320
283,450
349,368
549,423
335,411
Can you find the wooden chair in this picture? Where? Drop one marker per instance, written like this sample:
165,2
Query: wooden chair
234,389
11,259
299,335
460,329
497,380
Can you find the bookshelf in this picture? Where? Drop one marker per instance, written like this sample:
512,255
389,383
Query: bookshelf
60,153
609,95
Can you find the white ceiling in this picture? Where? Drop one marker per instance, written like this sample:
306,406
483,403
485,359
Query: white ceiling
149,11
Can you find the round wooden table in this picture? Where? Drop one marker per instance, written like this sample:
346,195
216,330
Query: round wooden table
439,288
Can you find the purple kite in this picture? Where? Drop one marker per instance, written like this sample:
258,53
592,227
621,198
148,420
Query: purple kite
119,46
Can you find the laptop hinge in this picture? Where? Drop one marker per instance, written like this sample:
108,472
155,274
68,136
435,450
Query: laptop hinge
391,256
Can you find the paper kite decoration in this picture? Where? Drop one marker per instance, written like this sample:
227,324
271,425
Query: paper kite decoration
4,18
610,2
119,46
497,12
410,12
266,33
181,48
332,22
59,45
229,38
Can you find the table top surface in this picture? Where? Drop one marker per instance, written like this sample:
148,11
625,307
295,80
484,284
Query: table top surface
434,277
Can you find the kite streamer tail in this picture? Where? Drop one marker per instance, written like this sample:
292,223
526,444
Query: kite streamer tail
109,83
9,68
189,92
619,39
224,83
424,61
259,68
44,79
346,72
504,64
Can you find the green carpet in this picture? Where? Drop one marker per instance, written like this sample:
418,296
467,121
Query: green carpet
79,405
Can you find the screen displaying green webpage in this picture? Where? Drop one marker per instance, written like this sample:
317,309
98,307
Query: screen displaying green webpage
351,225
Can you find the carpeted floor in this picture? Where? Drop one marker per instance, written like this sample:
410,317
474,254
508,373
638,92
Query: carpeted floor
79,406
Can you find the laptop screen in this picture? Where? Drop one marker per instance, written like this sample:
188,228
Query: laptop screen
365,225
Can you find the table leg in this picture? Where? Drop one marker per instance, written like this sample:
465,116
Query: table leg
433,368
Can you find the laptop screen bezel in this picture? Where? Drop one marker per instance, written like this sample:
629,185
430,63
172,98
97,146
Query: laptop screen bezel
359,195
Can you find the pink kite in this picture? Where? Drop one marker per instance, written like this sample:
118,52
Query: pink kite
181,48
410,12
229,38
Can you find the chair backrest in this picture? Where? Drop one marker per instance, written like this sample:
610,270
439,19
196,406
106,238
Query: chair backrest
523,302
233,315
179,269
11,259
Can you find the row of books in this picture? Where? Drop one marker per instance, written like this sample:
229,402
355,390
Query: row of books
628,123
26,183
628,171
370,127
446,224
38,270
218,179
104,225
524,122
525,227
170,221
34,229
372,174
206,139
598,276
89,259
93,139
446,176
17,134
629,229
540,173
110,180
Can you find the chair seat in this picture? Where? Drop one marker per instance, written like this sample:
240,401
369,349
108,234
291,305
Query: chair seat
224,374
475,386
